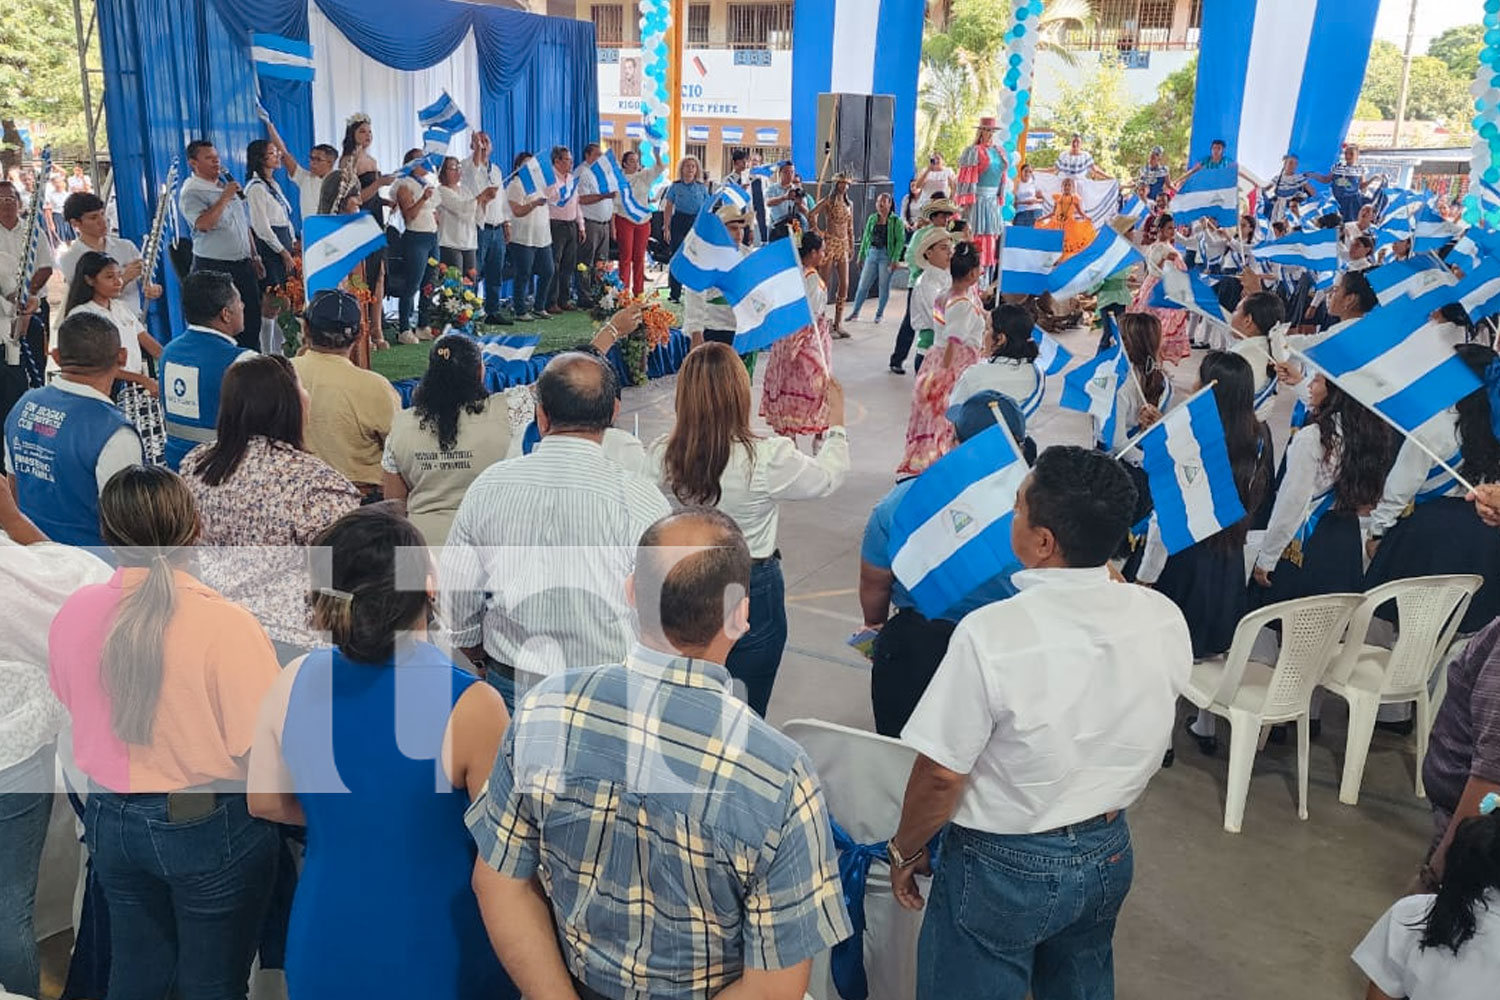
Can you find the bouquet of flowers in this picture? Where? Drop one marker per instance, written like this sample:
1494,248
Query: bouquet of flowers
450,297
612,296
289,298
654,331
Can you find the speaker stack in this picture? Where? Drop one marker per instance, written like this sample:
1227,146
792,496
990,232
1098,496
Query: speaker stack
854,138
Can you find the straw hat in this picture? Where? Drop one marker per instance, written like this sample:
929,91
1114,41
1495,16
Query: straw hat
925,242
937,205
728,212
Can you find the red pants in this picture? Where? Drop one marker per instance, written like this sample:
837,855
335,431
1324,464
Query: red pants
632,238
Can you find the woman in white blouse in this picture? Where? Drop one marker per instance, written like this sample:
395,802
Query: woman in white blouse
1009,362
1030,201
271,228
712,457
458,233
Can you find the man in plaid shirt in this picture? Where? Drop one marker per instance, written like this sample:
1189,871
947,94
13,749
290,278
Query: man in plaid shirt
644,834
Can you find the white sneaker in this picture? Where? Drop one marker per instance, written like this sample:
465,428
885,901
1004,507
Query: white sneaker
408,337
424,333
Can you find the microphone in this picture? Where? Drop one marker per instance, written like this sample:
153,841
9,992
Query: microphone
224,178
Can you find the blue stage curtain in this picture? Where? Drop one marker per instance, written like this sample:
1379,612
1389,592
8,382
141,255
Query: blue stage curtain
402,35
540,82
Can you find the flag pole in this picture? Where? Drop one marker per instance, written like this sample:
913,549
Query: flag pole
1119,452
1437,459
1005,429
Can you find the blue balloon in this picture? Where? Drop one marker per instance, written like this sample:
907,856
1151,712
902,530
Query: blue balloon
1020,30
1489,130
1023,13
1492,175
1492,37
1015,59
1492,6
1012,78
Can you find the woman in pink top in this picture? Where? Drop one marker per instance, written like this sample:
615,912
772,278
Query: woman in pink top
163,679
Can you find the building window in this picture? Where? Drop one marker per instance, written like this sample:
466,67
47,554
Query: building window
699,150
1137,25
697,25
760,25
609,24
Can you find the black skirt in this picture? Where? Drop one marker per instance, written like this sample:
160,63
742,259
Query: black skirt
1332,563
1207,583
1439,537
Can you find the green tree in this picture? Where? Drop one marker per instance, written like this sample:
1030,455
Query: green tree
39,76
1166,122
1435,94
1099,108
1458,48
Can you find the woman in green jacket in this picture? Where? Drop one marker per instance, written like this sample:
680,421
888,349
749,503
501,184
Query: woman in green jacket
882,246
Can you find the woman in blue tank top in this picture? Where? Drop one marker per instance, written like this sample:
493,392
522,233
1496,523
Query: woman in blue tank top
377,746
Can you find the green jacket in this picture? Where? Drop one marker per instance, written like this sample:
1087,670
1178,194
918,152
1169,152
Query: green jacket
895,236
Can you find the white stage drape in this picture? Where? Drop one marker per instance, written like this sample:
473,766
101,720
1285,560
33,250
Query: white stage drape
1101,199
348,81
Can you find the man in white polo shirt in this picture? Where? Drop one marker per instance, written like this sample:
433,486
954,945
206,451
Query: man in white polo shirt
1044,722
598,209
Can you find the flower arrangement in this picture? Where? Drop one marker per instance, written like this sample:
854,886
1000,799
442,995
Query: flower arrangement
290,298
450,297
610,298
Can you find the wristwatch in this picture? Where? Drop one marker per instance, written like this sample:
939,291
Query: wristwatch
898,861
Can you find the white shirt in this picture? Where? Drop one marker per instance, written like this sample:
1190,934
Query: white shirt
309,190
536,561
425,221
535,228
1058,703
1257,351
475,177
122,450
1017,378
1392,956
36,579
268,210
754,485
588,184
640,183
456,217
13,242
129,325
1310,472
931,283
709,310
1412,467
939,183
121,250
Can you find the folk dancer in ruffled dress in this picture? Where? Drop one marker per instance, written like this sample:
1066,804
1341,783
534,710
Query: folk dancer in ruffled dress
1174,322
981,183
961,322
794,399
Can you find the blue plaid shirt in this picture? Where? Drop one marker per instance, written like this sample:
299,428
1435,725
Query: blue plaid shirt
679,838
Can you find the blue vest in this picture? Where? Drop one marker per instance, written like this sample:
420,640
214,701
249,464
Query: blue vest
55,438
192,369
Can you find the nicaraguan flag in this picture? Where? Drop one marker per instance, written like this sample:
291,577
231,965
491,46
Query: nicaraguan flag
767,136
436,140
1399,198
1108,254
635,130
509,347
1027,259
1315,251
1094,388
432,162
334,244
536,176
765,171
951,532
707,255
1409,278
768,296
1430,231
1208,194
1479,292
1190,291
1052,357
565,191
1474,246
281,58
732,194
697,133
443,113
732,133
1187,468
1395,361
1135,208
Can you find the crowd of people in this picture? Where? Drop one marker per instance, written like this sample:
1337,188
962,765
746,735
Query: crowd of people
468,699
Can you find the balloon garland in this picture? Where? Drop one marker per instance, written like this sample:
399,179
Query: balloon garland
656,20
1482,203
1015,92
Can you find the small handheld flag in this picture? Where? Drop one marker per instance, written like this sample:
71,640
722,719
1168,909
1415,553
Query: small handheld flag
1187,467
1094,388
1027,258
1409,278
1208,194
281,58
536,176
768,295
1314,251
334,244
707,255
1052,357
509,347
443,113
1108,254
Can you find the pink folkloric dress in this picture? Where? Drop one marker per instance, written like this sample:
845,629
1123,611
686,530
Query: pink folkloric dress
794,396
955,346
1175,345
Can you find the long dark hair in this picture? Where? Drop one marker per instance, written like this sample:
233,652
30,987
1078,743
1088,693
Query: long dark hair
1472,869
255,159
79,289
1140,333
1246,438
713,417
1363,443
146,514
452,386
259,398
1012,326
965,260
1476,435
368,601
350,143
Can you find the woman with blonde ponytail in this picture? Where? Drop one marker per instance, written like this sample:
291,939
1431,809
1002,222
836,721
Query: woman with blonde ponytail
163,679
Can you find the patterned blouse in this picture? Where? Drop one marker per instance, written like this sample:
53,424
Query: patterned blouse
1069,165
257,524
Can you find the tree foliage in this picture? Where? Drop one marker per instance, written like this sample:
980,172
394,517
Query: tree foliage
1458,48
1098,108
1435,94
39,75
1166,122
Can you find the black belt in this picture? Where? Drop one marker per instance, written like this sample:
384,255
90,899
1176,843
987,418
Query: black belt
487,226
491,664
761,562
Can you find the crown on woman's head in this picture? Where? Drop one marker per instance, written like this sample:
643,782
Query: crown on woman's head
358,118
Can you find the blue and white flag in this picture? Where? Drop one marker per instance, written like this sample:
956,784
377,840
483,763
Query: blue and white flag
697,133
1190,291
951,532
707,255
1479,292
732,133
432,162
1397,199
635,130
333,244
765,171
436,140
1314,251
1474,246
443,113
1052,357
629,204
509,347
1397,362
1187,467
281,58
565,190
1430,231
731,193
1208,194
1409,278
1094,388
536,176
767,136
768,295
1135,208
1027,259
1108,254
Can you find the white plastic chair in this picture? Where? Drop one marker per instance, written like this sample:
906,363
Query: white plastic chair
1252,695
864,780
1428,611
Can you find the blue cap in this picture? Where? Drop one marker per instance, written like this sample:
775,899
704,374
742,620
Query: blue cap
973,416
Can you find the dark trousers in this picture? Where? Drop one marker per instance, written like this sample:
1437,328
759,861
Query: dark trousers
756,657
529,263
594,250
564,264
682,224
25,809
416,250
13,386
904,336
906,655
490,262
248,285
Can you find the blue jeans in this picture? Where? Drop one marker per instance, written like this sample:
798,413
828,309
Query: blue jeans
186,900
491,265
1027,218
756,657
24,812
877,270
1033,912
416,250
530,262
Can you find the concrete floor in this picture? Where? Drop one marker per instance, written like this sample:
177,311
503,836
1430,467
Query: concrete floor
1272,911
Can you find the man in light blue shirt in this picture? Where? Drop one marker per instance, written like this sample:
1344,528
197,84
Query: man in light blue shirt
212,204
783,200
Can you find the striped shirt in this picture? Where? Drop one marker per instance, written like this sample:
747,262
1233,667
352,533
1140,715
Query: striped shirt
679,838
536,561
1466,734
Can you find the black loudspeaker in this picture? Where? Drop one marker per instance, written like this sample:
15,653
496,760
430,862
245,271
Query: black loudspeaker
880,124
854,136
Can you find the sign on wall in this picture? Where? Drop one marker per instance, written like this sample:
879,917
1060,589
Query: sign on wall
716,83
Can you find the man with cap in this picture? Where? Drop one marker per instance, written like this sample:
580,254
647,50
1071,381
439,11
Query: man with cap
193,363
350,409
908,646
706,315
936,215
784,200
1152,180
980,190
